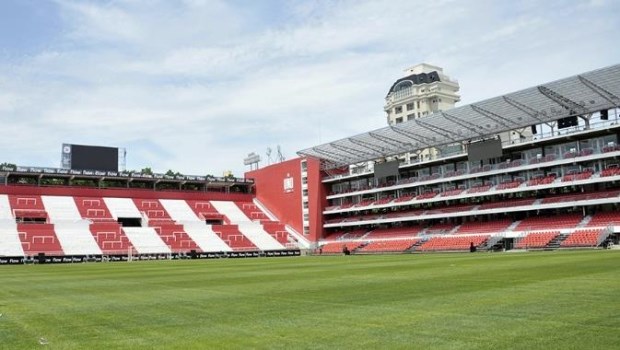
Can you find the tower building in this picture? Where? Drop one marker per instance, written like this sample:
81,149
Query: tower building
424,89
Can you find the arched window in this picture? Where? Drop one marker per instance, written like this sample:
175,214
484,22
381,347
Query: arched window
403,85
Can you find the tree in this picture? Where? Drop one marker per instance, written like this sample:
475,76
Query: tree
6,165
147,171
170,172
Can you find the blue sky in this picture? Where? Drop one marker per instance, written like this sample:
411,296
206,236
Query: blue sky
194,85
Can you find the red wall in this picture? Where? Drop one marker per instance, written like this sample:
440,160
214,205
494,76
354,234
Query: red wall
287,206
123,193
269,184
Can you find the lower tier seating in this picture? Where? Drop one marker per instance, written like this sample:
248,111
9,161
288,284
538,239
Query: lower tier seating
450,243
582,238
233,237
39,238
537,240
337,247
388,246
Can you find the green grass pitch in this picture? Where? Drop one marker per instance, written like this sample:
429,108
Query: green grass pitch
535,300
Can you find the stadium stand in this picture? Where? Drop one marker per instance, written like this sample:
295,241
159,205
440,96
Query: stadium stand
541,180
553,188
96,226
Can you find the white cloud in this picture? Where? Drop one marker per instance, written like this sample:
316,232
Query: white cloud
195,85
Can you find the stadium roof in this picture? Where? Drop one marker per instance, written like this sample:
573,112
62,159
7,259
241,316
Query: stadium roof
578,95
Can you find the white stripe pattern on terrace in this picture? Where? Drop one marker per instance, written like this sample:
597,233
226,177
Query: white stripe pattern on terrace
205,238
10,244
72,231
252,230
6,213
122,208
61,209
196,229
179,210
75,238
146,241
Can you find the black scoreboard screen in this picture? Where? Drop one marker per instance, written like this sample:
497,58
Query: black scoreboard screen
92,157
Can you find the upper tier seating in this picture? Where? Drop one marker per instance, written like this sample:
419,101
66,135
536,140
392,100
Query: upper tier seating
382,201
27,207
346,234
610,172
473,227
152,208
364,203
427,195
252,211
541,180
507,204
93,209
392,232
605,219
440,228
509,185
405,198
204,210
539,223
479,189
454,192
577,176
580,197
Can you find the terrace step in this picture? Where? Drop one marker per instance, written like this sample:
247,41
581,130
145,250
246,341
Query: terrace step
417,244
555,242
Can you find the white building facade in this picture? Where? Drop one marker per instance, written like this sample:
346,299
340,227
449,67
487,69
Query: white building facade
425,89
